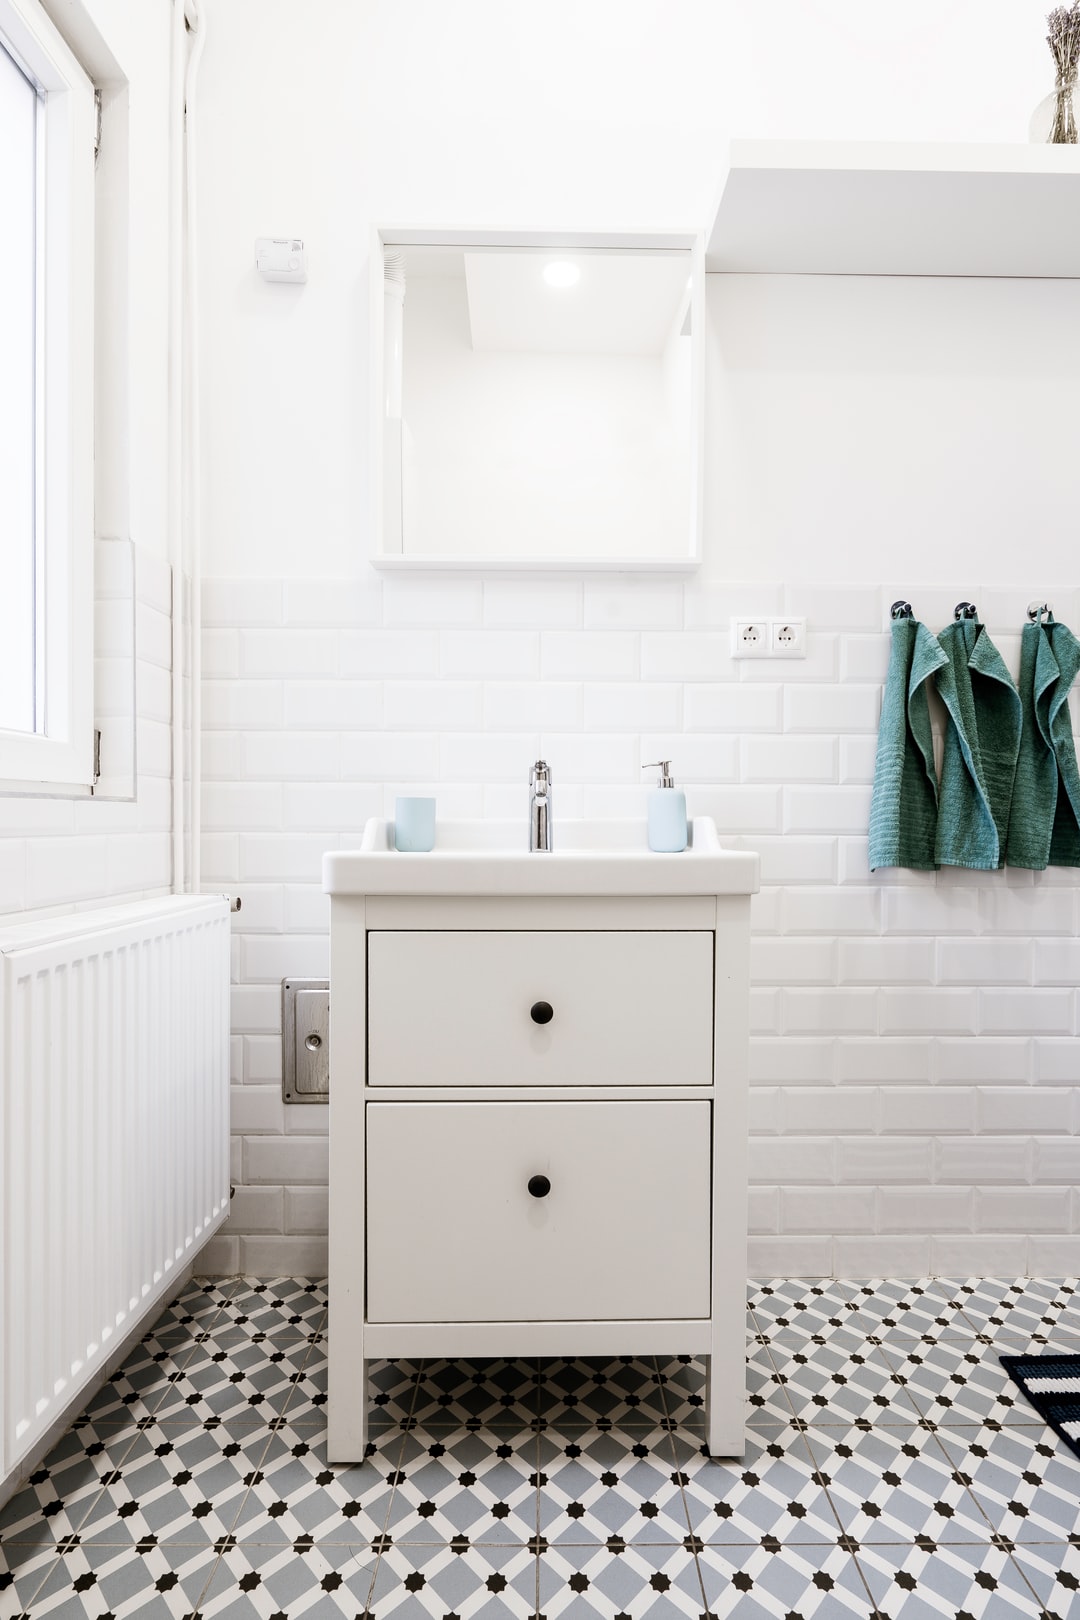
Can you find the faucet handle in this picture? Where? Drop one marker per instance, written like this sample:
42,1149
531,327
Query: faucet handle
539,775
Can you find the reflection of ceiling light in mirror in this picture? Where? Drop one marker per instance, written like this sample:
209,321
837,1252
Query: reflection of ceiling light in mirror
561,273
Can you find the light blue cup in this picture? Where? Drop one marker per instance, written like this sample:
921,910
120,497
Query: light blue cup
414,824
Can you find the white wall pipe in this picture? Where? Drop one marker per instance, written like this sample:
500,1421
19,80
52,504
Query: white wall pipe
197,26
177,54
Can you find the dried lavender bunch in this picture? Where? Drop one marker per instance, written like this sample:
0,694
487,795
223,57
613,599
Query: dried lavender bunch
1063,38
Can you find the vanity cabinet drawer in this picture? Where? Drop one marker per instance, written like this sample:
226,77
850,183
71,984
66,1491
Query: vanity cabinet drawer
524,1009
499,1212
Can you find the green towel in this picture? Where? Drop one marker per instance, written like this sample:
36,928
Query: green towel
1045,826
903,805
982,740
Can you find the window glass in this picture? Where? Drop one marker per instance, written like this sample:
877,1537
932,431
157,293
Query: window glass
18,397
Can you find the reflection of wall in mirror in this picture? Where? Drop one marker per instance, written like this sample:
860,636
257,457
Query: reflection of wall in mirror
522,454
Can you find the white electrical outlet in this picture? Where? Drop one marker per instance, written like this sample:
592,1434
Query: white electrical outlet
787,638
749,638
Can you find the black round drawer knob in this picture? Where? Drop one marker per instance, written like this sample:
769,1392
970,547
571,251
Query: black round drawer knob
539,1186
541,1012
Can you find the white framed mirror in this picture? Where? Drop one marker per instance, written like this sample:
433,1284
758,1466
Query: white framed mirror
537,400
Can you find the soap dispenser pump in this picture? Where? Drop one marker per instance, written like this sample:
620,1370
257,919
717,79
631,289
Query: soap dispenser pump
667,811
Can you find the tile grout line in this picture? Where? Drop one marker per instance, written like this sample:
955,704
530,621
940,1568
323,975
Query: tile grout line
692,1537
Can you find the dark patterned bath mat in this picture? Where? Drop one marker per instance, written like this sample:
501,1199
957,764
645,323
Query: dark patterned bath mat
1052,1385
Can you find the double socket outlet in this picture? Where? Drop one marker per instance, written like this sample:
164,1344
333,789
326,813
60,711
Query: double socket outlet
768,638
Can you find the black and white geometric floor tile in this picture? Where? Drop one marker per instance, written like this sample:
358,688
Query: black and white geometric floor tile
295,1496
475,1582
257,1582
602,1487
895,1484
464,1485
1028,1312
841,1380
623,1392
495,1393
58,1495
153,1583
953,1383
640,1579
772,1493
283,1307
237,1383
886,1445
774,1582
963,1579
1024,1480
173,1485
1053,1573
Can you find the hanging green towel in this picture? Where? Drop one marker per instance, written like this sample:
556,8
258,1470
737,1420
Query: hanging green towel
981,744
903,806
1044,829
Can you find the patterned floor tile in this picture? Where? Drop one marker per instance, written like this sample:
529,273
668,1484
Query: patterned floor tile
932,1308
775,1582
283,1307
246,1383
476,1486
605,1486
682,1385
276,1583
842,1380
391,1392
1025,1481
965,1579
1053,1573
456,1394
124,1583
1026,1311
200,1299
143,1383
768,1405
621,1392
295,1496
23,1568
635,1582
772,1493
474,1583
176,1487
895,1484
801,1307
954,1383
58,1495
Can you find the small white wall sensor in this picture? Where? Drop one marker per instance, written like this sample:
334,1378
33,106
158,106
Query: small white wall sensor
280,258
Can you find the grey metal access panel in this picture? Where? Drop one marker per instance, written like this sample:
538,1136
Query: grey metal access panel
305,1040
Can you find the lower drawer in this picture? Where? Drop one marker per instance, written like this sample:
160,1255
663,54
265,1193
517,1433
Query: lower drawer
454,1233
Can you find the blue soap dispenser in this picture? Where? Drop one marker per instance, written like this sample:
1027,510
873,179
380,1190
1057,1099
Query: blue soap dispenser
667,811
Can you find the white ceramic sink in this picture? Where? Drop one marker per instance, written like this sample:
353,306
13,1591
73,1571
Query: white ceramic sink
493,857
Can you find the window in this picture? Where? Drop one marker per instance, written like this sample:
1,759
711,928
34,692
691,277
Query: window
47,119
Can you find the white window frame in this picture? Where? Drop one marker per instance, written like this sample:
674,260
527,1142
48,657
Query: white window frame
62,754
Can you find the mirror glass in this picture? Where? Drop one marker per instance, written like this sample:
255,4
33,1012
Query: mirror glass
538,405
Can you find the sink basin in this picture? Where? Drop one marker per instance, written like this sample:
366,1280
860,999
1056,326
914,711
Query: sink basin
492,857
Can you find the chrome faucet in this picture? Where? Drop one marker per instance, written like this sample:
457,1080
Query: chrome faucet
540,808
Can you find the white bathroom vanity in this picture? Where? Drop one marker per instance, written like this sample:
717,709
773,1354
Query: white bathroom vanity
538,1105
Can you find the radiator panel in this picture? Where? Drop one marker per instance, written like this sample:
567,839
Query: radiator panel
114,1135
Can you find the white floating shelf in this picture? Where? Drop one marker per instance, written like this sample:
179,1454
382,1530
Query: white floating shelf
911,208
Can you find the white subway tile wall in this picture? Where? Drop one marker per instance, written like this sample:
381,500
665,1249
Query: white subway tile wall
914,1063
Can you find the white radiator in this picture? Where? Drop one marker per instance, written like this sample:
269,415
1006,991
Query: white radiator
114,1136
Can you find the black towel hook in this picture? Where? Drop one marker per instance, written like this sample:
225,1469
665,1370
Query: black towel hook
1036,610
901,610
965,610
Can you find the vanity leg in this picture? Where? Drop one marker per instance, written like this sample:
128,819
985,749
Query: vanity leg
725,1406
346,1417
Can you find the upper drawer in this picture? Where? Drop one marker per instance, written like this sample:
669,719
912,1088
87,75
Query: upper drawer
464,1009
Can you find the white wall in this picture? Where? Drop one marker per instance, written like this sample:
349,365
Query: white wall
915,1102
58,852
